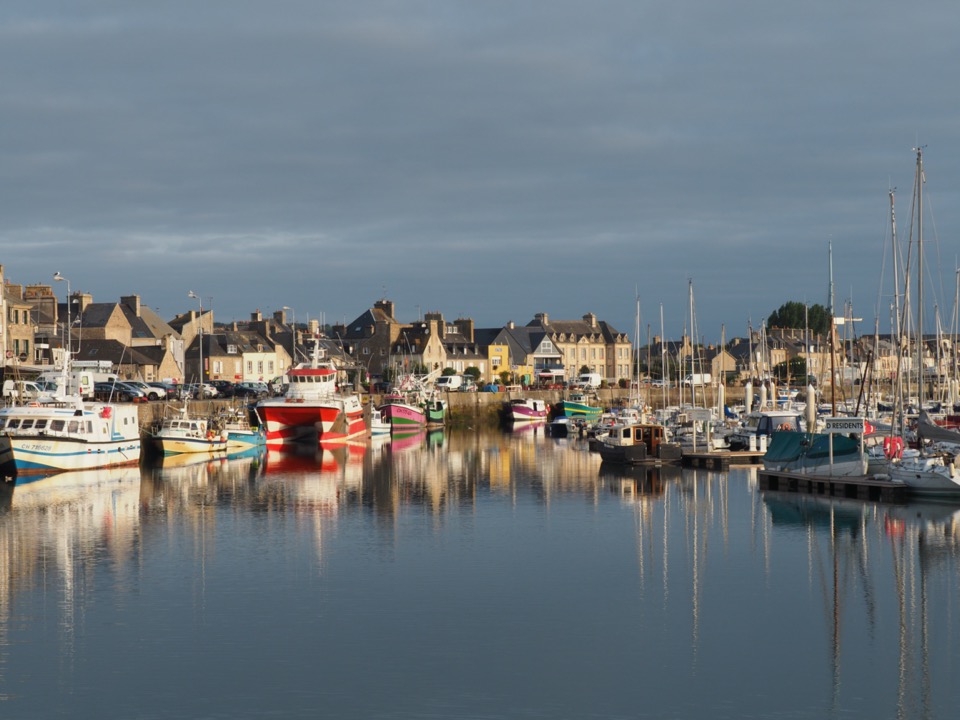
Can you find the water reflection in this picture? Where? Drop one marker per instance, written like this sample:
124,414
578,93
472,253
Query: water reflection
857,552
64,531
515,542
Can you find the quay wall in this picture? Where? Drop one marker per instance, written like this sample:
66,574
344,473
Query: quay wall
465,408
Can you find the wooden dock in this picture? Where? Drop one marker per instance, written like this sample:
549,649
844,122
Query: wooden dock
861,487
720,459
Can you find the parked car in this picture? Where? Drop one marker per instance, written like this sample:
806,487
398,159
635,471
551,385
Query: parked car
209,391
151,393
117,392
224,388
171,391
251,390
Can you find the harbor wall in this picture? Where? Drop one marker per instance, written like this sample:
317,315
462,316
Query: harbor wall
465,408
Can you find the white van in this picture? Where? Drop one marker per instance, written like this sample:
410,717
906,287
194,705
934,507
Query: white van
450,383
21,390
589,380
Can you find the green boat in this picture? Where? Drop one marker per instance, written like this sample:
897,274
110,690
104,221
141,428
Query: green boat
578,406
435,410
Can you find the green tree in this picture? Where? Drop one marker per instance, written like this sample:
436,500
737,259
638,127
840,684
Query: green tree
799,315
473,372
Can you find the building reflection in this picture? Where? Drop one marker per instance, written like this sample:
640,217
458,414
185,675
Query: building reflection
857,553
57,531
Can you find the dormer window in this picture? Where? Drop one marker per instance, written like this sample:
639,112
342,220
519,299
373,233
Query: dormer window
231,349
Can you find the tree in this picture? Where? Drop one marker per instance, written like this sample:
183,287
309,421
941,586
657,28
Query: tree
473,372
798,315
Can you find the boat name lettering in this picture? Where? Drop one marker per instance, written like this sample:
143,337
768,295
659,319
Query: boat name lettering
38,447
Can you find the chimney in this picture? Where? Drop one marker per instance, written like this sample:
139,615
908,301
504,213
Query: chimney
386,306
510,325
542,318
465,325
132,302
591,319
256,315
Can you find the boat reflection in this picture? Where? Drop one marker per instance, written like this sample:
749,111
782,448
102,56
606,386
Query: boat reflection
58,529
848,542
633,481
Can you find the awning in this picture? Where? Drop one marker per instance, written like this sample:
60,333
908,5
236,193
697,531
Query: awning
551,373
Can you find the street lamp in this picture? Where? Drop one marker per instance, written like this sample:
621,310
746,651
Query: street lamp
196,297
66,330
293,342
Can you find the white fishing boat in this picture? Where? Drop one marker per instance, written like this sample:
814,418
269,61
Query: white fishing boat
181,434
62,431
67,433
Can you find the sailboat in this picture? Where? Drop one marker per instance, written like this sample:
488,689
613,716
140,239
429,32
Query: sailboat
932,470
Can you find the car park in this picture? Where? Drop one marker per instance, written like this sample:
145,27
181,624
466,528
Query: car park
117,392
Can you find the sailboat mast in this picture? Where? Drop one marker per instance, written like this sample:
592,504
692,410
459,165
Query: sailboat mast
663,361
919,183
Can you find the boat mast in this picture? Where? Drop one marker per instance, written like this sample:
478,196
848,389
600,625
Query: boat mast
919,183
663,361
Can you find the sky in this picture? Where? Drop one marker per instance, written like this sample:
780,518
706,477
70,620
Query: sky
487,159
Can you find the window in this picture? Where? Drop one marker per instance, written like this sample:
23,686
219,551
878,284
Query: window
366,351
218,366
270,367
495,361
260,367
231,349
250,367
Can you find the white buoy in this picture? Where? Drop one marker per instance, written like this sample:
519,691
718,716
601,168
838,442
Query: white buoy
748,396
763,396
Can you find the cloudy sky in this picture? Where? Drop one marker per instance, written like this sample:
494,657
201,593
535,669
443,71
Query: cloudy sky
490,159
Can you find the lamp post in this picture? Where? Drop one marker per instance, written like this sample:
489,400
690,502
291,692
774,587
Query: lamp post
293,341
196,297
66,329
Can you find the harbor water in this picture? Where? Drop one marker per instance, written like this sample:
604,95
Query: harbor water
469,574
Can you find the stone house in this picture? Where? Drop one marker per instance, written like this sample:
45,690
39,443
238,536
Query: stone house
18,327
589,343
371,338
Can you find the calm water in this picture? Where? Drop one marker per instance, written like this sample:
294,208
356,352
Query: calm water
469,576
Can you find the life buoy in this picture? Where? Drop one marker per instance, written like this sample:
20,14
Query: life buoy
892,447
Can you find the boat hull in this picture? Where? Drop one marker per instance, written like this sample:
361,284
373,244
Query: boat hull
240,440
57,438
573,409
297,422
39,455
403,418
637,454
184,445
528,411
